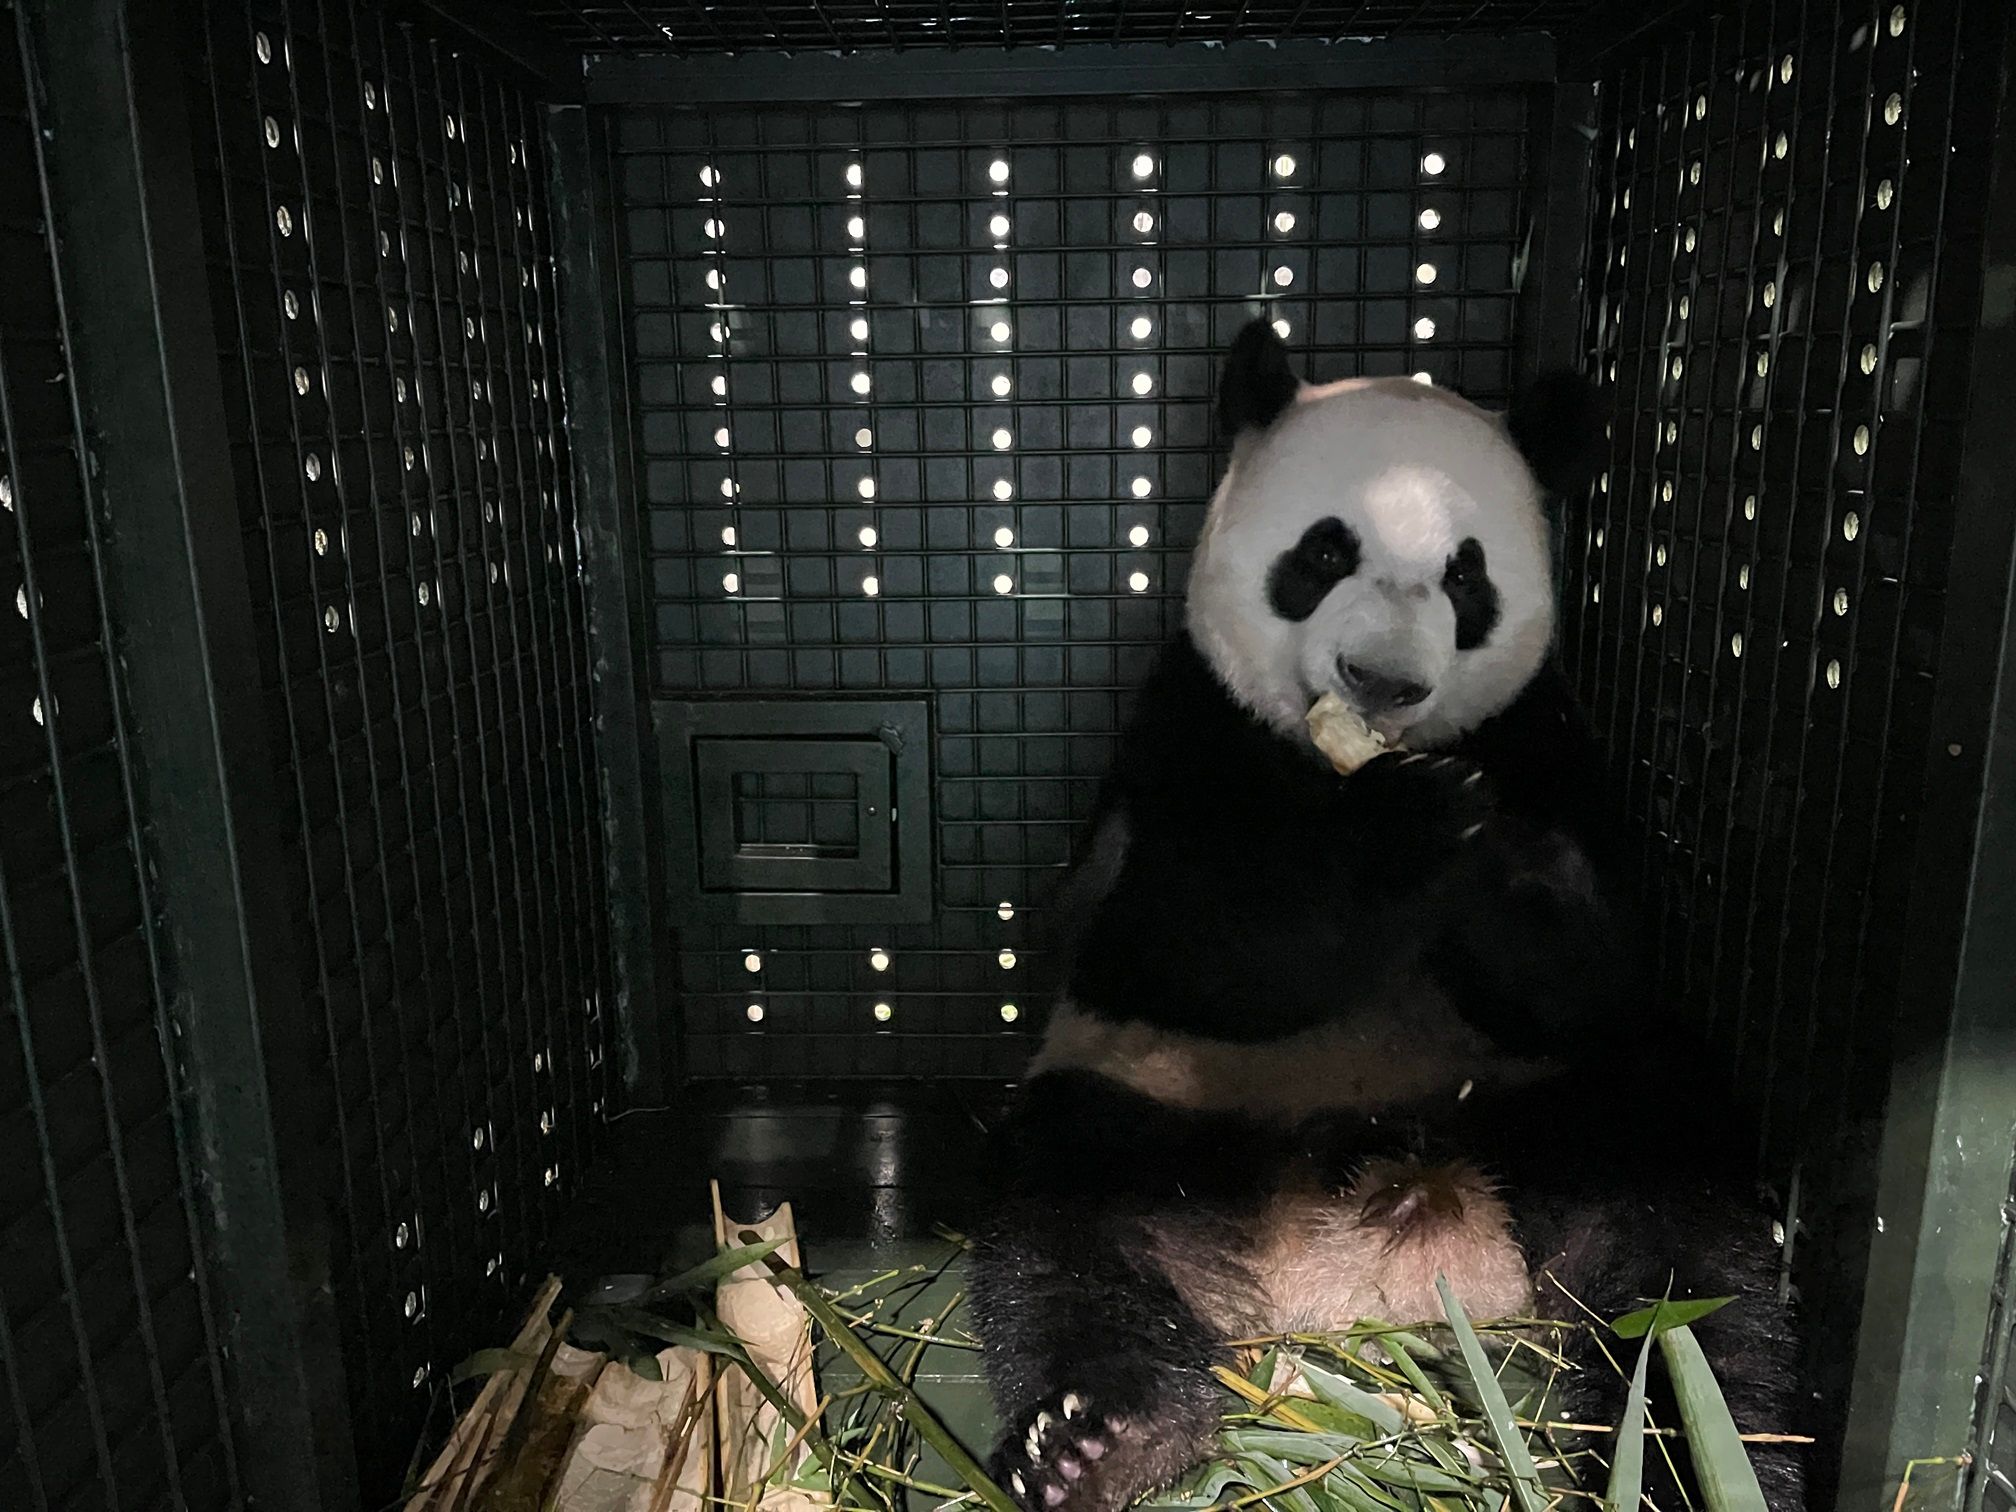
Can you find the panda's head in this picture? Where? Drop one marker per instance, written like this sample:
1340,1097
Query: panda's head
1383,539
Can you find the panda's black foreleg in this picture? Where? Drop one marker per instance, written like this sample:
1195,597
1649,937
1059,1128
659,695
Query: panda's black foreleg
1605,1253
1100,1371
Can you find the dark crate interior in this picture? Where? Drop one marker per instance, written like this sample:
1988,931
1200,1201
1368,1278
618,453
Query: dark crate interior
569,572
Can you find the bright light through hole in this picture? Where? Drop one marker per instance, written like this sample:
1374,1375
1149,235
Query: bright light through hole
1281,329
755,1012
998,277
853,175
866,536
1003,439
1143,278
1430,218
721,437
1004,538
1010,1013
1144,166
1138,536
1142,435
861,383
707,176
1143,222
1433,163
1004,584
998,226
864,438
1284,165
1284,276
1003,489
1142,488
1143,383
858,329
1001,385
858,277
727,535
1284,221
856,227
752,962
870,587
1138,582
720,384
1425,273
1142,328
730,583
866,488
883,1013
999,330
998,171
879,959
1424,329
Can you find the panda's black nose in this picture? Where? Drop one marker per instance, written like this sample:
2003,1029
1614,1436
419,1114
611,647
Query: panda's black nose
1376,691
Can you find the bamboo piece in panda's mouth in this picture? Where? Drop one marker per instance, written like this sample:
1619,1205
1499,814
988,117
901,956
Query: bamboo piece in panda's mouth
1341,735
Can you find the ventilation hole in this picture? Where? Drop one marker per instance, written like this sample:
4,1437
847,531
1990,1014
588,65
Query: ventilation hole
1425,273
1005,910
1142,278
1676,369
1004,584
853,175
1781,146
867,536
1750,500
262,47
1861,441
1143,383
721,438
321,550
1785,69
865,488
1142,488
1433,163
1893,110
1778,223
1736,644
878,960
857,278
1658,614
1700,107
1007,960
1659,556
1896,20
1004,537
997,171
730,488
1144,222
1284,166
1138,581
1690,239
1770,293
1142,435
1284,221
1851,525
871,587
1833,674
731,582
1666,493
1141,328
727,535
1010,1013
752,962
998,277
272,132
1868,359
857,228
1686,305
1281,329
284,219
883,1013
1003,439
1430,218
1144,166
1763,363
21,601
1694,173
1743,577
1003,489
332,621
998,227
1756,438
754,1013
858,328
1001,386
860,383
999,330
1875,277
1138,536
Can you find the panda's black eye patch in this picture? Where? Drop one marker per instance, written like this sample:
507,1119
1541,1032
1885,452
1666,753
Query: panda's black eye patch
1301,577
1472,593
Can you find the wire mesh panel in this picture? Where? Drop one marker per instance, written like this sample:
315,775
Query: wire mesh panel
109,1377
383,276
922,400
1785,271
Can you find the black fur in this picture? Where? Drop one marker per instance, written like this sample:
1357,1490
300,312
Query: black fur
1326,555
1558,425
1257,383
1467,581
1258,894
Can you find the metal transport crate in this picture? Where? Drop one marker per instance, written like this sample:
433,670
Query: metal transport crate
575,558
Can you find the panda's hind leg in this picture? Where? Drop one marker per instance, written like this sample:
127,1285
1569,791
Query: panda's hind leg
1101,1371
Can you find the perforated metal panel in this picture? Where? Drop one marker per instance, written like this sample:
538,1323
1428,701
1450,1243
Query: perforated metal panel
1785,277
110,1390
383,282
691,27
923,405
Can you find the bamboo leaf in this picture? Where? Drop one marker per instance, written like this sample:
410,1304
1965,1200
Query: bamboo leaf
1627,1463
1403,1361
1661,1316
1721,1464
645,1367
1338,1392
713,1270
489,1362
1510,1443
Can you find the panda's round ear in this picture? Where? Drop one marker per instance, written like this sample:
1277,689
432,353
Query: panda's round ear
1557,422
1257,384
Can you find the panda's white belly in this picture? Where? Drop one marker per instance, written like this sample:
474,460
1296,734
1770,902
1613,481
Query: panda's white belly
1408,1053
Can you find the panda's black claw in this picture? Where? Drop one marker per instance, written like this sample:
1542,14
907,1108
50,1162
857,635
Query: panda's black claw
1416,813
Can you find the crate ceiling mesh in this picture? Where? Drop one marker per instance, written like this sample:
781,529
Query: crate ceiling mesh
690,26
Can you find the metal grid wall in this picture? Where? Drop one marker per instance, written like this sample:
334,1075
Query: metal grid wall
383,277
109,1376
689,26
922,399
1785,268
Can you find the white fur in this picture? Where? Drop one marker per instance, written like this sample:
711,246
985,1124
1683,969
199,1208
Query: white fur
1413,470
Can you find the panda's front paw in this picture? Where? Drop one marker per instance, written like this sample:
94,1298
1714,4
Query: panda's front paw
1417,813
1070,1456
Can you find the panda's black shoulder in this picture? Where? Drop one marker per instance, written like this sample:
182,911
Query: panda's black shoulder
1187,738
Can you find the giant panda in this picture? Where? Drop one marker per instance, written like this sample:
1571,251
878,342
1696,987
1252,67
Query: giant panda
1324,1037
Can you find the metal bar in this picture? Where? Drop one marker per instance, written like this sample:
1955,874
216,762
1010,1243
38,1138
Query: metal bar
1558,204
593,350
1126,68
122,183
1944,1163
